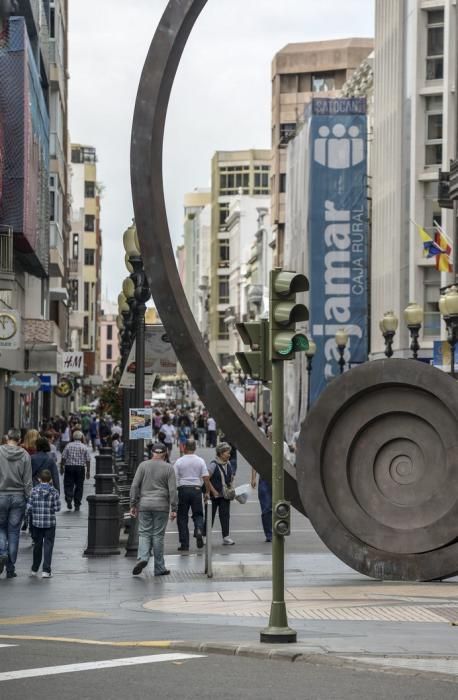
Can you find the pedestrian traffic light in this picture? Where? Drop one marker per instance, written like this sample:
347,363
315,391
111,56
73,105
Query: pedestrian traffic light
285,313
255,364
282,518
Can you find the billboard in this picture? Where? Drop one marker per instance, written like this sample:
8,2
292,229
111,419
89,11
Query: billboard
337,234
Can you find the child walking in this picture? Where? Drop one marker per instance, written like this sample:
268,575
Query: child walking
43,505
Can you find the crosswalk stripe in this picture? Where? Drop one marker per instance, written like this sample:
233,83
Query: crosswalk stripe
95,665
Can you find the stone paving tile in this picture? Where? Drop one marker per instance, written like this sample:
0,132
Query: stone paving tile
206,597
242,596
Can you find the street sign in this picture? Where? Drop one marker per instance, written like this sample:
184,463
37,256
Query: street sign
46,383
24,383
73,363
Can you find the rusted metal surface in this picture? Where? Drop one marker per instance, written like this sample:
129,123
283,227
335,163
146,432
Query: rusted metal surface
377,470
155,244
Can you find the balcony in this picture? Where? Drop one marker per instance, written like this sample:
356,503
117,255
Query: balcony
6,250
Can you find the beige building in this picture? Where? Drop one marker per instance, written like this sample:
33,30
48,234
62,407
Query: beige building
85,264
300,71
234,173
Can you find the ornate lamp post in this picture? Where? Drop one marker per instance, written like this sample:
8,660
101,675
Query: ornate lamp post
448,305
413,316
341,342
310,354
388,326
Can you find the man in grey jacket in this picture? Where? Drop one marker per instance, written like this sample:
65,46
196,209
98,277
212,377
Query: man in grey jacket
153,495
15,488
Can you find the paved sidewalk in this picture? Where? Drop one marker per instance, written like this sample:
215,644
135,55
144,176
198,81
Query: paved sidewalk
337,613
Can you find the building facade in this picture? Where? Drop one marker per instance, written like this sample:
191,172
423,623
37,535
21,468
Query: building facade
234,173
109,346
33,203
414,136
299,72
194,204
85,263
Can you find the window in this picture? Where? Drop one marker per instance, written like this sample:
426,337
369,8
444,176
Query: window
223,290
109,371
287,132
52,205
282,182
110,332
89,189
435,45
323,82
85,331
73,291
86,296
224,254
234,178
89,256
76,246
223,331
433,155
304,82
76,155
288,83
261,179
432,208
109,352
223,213
89,222
432,318
52,22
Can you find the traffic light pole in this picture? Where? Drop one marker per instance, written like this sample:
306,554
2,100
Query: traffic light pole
278,630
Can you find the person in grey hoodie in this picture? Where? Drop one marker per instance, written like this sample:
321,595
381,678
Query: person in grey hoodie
153,495
15,488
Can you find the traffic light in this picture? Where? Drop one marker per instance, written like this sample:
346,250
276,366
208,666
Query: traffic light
255,364
285,313
282,518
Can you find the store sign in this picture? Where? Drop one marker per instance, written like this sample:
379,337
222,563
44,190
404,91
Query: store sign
73,363
64,387
24,383
160,356
46,383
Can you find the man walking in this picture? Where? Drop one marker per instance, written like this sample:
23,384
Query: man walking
190,471
15,488
75,458
211,432
153,495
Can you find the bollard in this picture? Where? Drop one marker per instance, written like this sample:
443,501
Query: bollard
103,525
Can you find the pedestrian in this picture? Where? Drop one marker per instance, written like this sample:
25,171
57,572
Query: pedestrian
153,496
75,458
265,501
42,506
15,488
211,432
221,479
85,426
169,432
200,424
64,436
94,432
29,442
191,471
42,459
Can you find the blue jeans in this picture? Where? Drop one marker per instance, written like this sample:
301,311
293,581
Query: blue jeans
12,509
151,530
265,500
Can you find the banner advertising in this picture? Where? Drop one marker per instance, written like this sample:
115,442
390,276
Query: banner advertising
160,356
337,235
442,356
140,423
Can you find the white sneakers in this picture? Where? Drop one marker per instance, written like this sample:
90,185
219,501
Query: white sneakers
46,574
33,573
227,540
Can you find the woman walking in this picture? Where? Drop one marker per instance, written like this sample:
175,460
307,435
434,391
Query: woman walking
221,478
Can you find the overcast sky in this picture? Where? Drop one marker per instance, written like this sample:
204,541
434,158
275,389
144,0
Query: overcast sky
220,101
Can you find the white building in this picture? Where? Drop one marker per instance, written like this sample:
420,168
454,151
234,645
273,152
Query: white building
414,135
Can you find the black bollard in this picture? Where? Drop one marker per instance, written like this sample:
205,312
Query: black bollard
103,525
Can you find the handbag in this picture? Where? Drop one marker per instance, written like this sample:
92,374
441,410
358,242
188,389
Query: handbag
228,491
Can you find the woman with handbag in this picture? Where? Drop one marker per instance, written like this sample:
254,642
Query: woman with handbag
221,488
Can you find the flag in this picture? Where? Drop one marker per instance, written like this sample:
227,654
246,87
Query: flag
430,247
443,263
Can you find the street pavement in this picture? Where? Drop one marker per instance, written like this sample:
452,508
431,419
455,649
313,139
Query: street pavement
344,621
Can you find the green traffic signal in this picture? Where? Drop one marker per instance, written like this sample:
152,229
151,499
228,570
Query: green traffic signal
285,313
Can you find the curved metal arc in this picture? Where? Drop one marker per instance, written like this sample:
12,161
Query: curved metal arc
152,226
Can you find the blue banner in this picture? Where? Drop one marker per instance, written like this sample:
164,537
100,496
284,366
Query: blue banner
338,236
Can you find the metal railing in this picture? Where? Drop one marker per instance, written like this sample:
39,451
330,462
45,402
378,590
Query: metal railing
6,249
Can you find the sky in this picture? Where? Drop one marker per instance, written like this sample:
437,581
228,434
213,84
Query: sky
221,99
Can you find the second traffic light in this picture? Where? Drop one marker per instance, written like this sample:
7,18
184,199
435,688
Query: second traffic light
255,364
285,313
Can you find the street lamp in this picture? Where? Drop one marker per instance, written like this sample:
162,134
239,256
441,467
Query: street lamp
448,306
341,342
310,354
388,326
413,316
229,369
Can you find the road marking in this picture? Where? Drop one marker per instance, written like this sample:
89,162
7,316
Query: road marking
157,643
51,616
95,665
2,646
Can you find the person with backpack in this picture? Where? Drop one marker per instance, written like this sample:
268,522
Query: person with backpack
221,488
